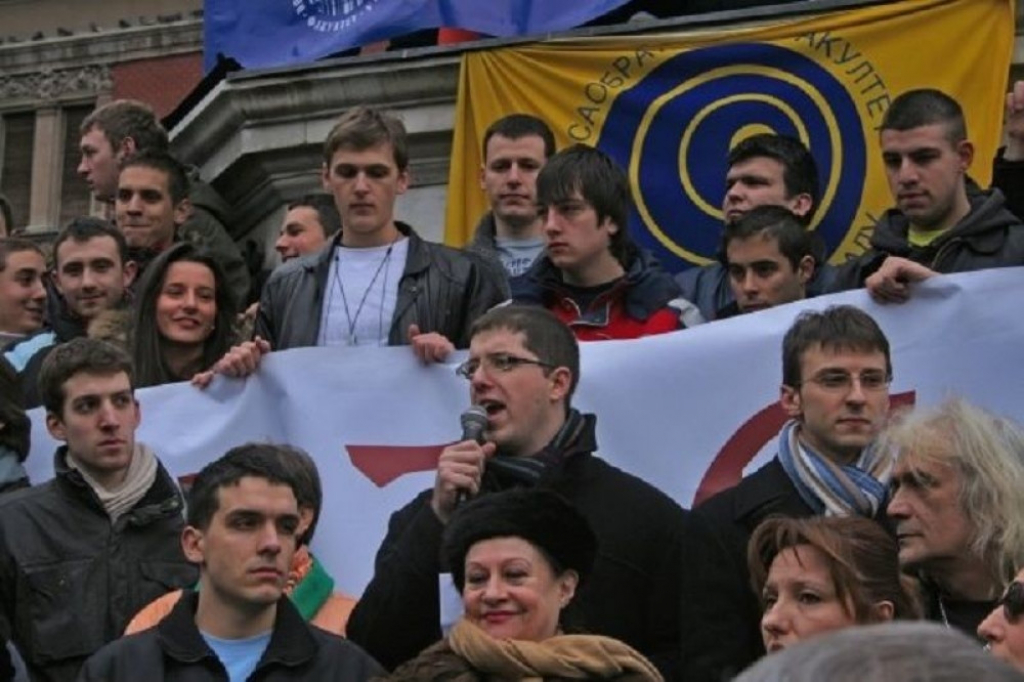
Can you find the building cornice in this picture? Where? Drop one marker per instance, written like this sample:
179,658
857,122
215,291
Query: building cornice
51,70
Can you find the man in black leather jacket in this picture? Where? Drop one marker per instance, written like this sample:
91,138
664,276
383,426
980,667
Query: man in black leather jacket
377,283
80,554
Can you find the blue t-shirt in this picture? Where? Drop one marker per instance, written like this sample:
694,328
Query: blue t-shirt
517,255
238,656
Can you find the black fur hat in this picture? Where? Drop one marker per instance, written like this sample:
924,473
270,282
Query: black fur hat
541,517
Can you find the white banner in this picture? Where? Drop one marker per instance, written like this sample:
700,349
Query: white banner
670,408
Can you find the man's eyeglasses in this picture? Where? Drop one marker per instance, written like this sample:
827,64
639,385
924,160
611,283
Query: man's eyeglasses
497,362
1013,601
840,381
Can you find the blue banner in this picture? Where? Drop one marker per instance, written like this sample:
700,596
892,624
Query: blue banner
264,33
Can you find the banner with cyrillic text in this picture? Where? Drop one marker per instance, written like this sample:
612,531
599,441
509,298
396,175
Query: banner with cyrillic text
668,108
688,411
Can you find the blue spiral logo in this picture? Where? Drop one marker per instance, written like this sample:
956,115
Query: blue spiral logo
672,131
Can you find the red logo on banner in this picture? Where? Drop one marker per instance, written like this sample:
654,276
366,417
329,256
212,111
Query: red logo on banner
727,468
384,463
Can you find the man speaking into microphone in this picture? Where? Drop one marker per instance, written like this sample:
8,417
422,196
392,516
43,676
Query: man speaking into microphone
522,370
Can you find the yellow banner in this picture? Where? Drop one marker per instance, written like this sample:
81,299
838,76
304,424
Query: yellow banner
669,107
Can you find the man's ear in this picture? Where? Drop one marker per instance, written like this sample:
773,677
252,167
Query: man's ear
55,425
483,174
965,150
127,148
404,180
789,398
882,611
193,544
561,379
805,269
131,269
801,204
183,211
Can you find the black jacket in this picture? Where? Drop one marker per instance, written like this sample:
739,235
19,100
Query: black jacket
989,236
70,580
174,650
722,618
632,594
1008,176
442,290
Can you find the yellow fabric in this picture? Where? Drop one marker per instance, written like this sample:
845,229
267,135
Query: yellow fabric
869,55
573,657
921,238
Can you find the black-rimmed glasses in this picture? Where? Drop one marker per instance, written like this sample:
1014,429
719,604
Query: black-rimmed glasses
497,362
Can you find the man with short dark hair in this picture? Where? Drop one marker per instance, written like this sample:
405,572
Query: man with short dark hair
592,275
22,291
941,220
80,554
377,283
120,129
515,148
523,368
243,522
91,276
769,257
307,226
835,389
764,170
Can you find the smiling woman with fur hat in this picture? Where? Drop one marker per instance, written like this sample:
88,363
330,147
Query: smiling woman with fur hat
517,558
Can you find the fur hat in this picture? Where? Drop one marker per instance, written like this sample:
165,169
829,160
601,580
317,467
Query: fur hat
541,517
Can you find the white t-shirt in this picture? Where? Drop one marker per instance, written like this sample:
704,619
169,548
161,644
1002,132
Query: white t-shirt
361,293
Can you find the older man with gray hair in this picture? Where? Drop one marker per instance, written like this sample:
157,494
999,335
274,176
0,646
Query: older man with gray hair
957,502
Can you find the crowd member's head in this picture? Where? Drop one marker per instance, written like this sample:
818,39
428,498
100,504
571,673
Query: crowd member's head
769,256
22,292
111,134
366,160
958,492
87,387
515,148
91,266
6,218
242,528
152,200
309,223
774,170
1004,627
836,372
183,316
523,367
517,558
584,202
824,573
926,154
886,652
15,426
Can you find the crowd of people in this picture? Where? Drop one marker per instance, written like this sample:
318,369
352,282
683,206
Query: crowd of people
861,518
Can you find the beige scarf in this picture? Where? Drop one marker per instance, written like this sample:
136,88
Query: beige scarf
572,657
141,474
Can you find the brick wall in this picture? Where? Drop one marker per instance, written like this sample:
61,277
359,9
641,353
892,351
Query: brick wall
161,82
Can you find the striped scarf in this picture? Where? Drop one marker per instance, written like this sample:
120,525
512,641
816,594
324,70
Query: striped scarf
832,489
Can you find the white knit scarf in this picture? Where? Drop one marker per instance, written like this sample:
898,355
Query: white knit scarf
140,476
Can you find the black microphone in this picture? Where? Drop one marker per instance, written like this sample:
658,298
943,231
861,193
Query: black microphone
474,423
